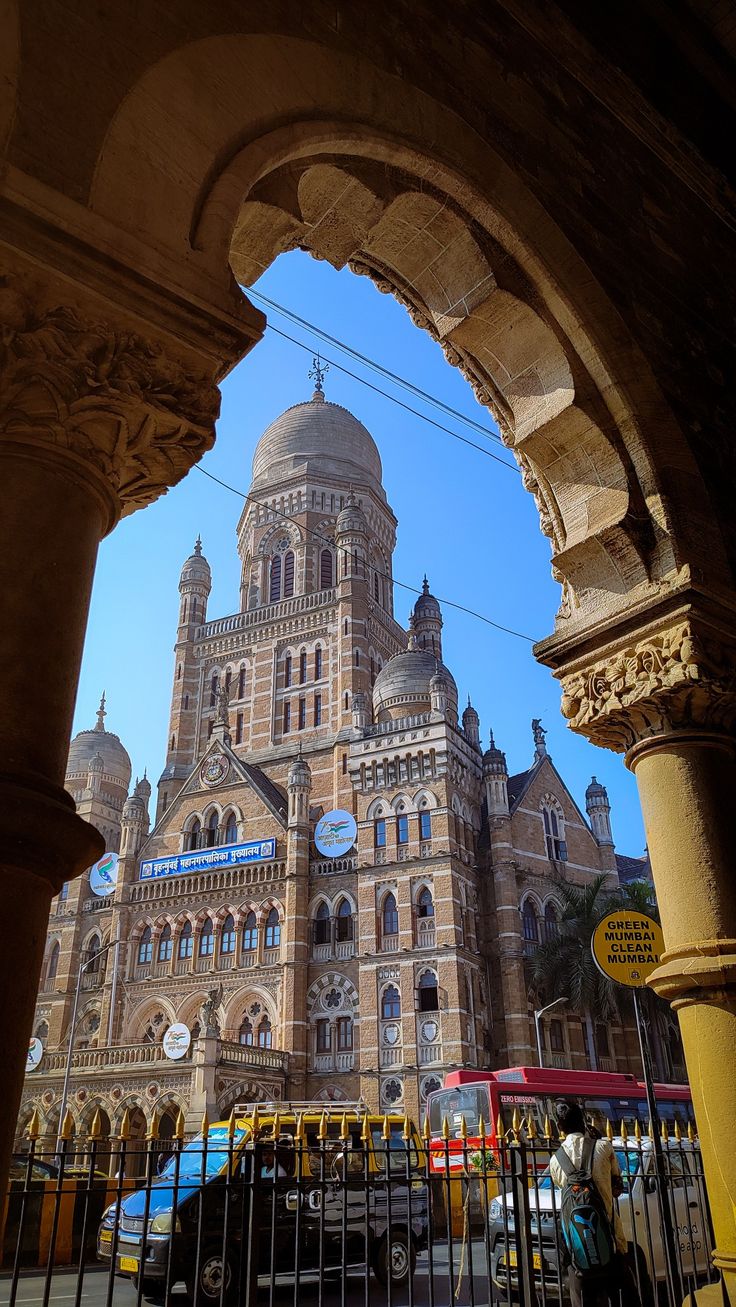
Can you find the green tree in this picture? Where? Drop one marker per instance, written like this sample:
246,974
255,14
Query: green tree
563,966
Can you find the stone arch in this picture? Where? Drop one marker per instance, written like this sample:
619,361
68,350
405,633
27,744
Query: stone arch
424,799
401,803
243,997
378,808
324,984
143,1014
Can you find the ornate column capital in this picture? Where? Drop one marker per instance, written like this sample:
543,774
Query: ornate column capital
673,673
130,410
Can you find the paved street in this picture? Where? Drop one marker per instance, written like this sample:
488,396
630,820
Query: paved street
95,1287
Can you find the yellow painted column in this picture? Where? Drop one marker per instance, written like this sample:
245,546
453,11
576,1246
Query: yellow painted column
687,785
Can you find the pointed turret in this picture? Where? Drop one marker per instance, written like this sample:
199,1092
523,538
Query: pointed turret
496,776
598,809
471,725
428,621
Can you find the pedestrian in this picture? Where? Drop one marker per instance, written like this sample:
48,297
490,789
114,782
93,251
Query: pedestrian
620,1283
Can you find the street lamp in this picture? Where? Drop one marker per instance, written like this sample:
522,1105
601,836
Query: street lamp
537,1018
114,943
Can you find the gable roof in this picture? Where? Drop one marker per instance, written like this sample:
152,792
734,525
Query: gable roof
633,868
518,785
271,795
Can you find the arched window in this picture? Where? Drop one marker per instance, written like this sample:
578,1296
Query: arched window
186,940
42,1030
53,964
425,825
428,993
250,933
164,944
214,685
93,954
322,924
287,670
241,683
207,939
317,710
288,575
390,916
555,844
302,666
344,921
551,922
145,947
390,1003
231,828
379,833
64,892
227,937
556,1037
344,1034
425,903
274,588
325,569
273,929
287,718
317,663
194,834
530,922
245,1034
265,1034
213,822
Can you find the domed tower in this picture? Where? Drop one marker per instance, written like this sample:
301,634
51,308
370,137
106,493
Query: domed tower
598,809
98,776
428,621
471,726
496,778
414,682
135,820
195,584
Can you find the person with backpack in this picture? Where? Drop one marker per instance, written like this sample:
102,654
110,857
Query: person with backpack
586,1171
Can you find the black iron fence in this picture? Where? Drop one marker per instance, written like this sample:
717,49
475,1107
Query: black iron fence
350,1209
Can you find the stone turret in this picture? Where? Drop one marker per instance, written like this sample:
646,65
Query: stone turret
598,809
496,777
135,821
471,726
427,622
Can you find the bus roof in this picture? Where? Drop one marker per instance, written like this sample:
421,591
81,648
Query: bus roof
562,1081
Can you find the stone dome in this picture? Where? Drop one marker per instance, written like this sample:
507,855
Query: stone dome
320,438
426,605
403,685
196,568
351,519
87,744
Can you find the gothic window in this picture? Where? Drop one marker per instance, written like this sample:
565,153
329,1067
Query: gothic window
428,993
325,569
556,1040
317,663
287,718
178,670
322,924
245,1034
530,922
379,833
274,589
287,670
164,944
273,929
551,922
265,1033
390,916
344,1034
207,939
42,1030
93,951
250,933
214,685
347,701
344,920
239,728
186,941
227,937
318,709
186,702
357,658
302,713
302,666
241,683
288,575
53,965
228,680
145,947
64,892
231,828
194,834
425,825
425,903
323,1036
211,832
390,1003
555,844
402,829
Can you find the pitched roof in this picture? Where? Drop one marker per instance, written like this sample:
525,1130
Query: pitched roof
517,786
271,793
633,868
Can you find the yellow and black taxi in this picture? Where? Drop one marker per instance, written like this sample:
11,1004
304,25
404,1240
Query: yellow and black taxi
277,1192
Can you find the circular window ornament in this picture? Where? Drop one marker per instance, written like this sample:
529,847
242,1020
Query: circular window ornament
214,770
392,1091
429,1085
391,1035
332,998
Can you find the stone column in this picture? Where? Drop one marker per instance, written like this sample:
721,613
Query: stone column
99,413
666,696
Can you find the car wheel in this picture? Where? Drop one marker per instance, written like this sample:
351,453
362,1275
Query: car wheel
395,1258
208,1289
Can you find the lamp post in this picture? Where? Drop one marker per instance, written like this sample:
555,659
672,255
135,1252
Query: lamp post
114,943
537,1018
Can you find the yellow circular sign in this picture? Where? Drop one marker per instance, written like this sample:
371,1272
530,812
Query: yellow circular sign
627,947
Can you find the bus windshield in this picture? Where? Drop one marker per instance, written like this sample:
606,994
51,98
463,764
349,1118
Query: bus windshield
469,1101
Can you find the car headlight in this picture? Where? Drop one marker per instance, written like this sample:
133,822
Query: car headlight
162,1223
109,1215
495,1210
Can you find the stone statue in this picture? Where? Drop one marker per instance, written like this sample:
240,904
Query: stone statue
223,706
208,1019
538,731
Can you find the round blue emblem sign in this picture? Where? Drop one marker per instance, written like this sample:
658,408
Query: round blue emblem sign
335,833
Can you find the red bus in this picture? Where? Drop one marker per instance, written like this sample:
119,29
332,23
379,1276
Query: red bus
533,1091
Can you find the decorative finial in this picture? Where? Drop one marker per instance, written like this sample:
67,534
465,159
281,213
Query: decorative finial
198,547
411,643
101,714
318,373
491,741
538,731
425,585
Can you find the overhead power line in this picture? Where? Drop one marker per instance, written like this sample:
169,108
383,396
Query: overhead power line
403,585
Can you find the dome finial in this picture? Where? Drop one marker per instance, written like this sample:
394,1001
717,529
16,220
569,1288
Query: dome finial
318,373
198,546
425,585
101,714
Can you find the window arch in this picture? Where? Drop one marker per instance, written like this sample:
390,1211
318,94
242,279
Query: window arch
302,666
231,828
93,954
288,575
186,941
530,922
428,992
325,570
145,947
274,586
194,835
264,1033
322,924
245,1033
551,922
389,916
250,933
165,944
227,935
344,921
207,939
554,832
42,1030
213,822
425,903
390,1003
273,929
53,963
318,662
287,670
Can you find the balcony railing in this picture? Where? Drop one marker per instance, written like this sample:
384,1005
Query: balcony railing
266,613
425,934
390,1056
271,957
206,882
429,1053
248,1055
389,944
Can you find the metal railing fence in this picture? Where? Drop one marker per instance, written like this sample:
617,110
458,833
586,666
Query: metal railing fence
362,1208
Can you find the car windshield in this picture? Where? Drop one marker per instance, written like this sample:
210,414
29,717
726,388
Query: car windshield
629,1161
192,1159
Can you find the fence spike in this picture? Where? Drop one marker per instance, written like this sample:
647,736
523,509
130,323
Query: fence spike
299,1131
276,1125
547,1128
255,1124
95,1129
482,1131
500,1129
609,1129
33,1129
67,1127
531,1128
231,1125
637,1130
365,1133
125,1125
322,1132
678,1131
664,1132
344,1132
463,1128
386,1130
426,1132
691,1134
153,1128
406,1132
650,1129
205,1126
516,1122
445,1128
180,1124
624,1133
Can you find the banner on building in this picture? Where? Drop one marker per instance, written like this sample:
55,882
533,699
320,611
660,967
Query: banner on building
216,859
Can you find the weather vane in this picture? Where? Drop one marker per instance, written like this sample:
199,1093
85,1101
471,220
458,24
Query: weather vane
318,372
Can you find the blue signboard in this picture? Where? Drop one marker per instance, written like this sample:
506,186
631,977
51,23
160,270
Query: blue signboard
230,855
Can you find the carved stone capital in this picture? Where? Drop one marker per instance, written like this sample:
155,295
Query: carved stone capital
674,675
127,410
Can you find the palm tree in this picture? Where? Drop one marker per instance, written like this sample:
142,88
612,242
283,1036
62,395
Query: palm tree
564,964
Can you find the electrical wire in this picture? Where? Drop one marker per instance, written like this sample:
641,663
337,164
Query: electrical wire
403,585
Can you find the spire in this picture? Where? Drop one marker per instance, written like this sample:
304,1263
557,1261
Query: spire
198,546
318,373
411,642
101,714
425,591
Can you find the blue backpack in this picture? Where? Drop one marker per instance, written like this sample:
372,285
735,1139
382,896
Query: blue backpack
586,1227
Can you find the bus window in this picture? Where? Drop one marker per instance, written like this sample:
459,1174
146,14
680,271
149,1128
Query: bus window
469,1101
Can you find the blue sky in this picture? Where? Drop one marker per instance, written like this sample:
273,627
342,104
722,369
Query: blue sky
463,519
